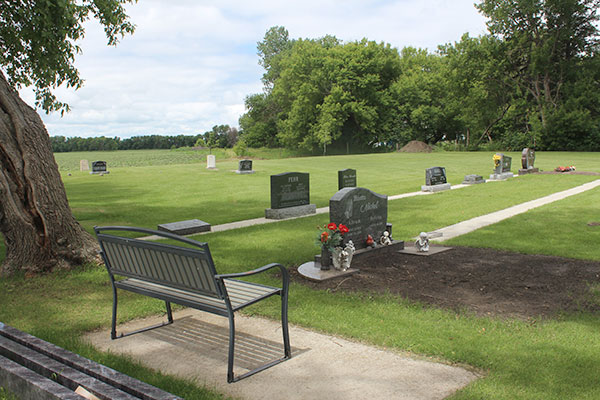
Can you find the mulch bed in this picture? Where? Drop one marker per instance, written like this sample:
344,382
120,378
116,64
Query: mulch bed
484,281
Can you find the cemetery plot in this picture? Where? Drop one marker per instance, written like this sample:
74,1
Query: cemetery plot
290,196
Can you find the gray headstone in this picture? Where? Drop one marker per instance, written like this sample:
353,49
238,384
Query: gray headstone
503,164
473,179
364,213
185,227
527,158
211,161
84,165
290,189
346,178
99,167
435,176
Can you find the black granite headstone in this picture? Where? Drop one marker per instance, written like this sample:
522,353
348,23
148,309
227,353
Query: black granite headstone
245,165
435,176
290,189
98,167
364,213
346,178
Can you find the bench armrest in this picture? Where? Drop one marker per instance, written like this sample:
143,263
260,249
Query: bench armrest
285,276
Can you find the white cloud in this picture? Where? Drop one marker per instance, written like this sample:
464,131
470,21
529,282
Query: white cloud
190,64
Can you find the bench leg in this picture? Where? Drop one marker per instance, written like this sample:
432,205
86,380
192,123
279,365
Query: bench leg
169,312
113,329
231,349
284,326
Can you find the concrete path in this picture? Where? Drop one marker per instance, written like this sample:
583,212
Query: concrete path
321,367
470,225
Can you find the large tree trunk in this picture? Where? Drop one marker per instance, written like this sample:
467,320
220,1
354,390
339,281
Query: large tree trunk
36,222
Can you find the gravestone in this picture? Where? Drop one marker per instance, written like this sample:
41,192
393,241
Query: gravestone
364,213
473,179
346,178
527,160
290,196
435,180
84,165
99,167
211,161
502,165
188,227
245,167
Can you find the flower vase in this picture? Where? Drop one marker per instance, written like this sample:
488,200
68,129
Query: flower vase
325,258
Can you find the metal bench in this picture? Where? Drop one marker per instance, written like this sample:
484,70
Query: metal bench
186,276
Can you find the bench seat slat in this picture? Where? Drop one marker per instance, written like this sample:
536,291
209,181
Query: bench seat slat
240,293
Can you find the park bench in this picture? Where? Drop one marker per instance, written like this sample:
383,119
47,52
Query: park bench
185,276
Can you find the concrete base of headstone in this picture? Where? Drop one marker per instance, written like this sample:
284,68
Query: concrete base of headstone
528,171
473,179
312,271
435,188
99,172
237,171
432,250
501,177
290,212
185,227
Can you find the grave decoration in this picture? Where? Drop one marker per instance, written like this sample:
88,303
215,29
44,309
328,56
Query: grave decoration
290,196
211,162
358,226
502,165
99,167
244,167
346,178
422,243
527,160
435,180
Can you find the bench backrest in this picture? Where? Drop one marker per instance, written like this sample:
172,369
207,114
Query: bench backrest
179,267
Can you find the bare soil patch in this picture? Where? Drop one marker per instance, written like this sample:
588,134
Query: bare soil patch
484,281
415,146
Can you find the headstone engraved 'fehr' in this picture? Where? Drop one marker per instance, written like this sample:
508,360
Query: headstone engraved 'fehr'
346,178
364,213
435,176
289,189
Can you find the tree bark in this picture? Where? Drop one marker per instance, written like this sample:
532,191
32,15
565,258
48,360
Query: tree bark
36,222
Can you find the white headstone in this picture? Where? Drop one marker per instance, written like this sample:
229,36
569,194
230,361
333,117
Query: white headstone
84,165
211,161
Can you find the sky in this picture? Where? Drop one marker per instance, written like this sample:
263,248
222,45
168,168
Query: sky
190,63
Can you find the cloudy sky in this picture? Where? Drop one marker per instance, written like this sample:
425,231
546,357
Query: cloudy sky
191,63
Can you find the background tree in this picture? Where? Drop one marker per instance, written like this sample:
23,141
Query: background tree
37,48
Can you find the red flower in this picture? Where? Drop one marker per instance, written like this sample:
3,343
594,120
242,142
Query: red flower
324,237
343,229
332,226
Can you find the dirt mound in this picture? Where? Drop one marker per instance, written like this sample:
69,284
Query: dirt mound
414,146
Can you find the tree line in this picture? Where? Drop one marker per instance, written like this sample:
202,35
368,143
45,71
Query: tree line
533,80
220,136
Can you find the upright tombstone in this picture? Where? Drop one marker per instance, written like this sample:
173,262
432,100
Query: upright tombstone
244,167
84,165
527,160
502,165
435,180
99,167
346,178
290,196
211,161
364,213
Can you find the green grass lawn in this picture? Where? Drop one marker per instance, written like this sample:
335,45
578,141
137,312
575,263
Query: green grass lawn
554,358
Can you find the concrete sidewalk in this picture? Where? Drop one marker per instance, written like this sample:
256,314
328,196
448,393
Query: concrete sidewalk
321,367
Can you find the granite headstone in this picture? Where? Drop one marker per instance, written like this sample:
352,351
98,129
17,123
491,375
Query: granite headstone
290,189
346,178
435,176
99,167
364,213
245,167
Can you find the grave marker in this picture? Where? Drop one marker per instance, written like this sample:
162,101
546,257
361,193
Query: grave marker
84,165
502,165
346,178
435,180
211,162
99,167
527,160
364,213
290,196
245,167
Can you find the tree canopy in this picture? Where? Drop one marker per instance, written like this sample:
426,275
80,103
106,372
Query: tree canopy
531,81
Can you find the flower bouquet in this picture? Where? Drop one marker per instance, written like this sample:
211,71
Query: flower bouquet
330,237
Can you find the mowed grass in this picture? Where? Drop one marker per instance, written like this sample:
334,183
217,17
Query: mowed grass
553,358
